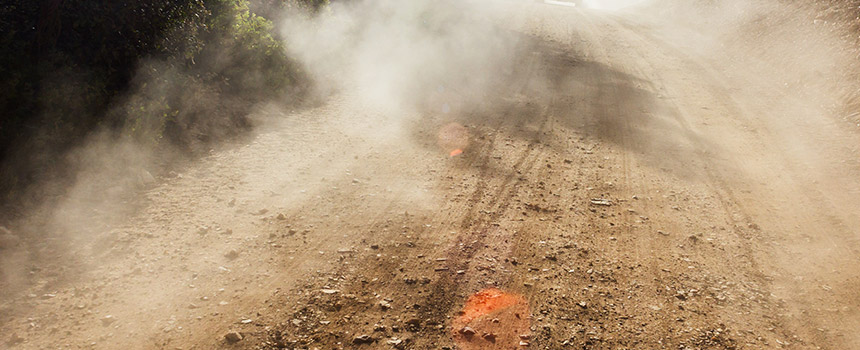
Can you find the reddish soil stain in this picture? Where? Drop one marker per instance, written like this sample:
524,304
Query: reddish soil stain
492,319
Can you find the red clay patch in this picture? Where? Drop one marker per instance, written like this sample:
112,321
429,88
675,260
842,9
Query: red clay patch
492,319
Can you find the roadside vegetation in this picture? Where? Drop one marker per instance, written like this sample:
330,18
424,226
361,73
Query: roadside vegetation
176,74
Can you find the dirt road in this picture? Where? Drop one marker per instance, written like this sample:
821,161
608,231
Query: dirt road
620,188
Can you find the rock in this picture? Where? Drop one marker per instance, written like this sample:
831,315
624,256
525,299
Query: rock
232,254
395,342
467,331
330,291
362,339
601,202
262,211
232,202
384,305
490,337
281,217
233,336
107,320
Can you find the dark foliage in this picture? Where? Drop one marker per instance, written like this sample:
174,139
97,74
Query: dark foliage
181,71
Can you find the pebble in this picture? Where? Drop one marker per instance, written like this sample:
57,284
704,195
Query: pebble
232,254
233,337
362,339
601,202
467,331
107,320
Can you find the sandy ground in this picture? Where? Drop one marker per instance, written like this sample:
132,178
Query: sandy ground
621,189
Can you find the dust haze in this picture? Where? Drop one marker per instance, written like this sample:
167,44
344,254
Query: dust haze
407,78
393,54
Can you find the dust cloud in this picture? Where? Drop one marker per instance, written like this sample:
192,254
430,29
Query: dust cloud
400,59
803,63
393,54
611,4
